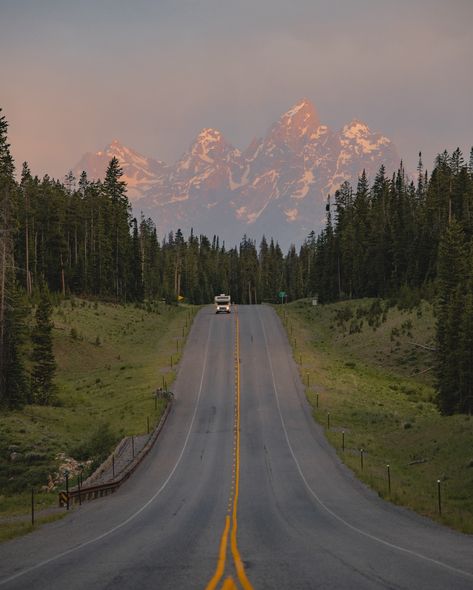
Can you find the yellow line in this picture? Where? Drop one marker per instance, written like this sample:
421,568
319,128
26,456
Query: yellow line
229,583
240,569
222,554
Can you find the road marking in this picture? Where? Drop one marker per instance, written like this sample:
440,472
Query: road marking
221,558
236,554
229,583
140,510
324,506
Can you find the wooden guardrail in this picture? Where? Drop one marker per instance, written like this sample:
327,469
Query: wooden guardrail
80,494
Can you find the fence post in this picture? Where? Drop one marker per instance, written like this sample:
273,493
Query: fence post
389,478
439,496
32,507
361,458
67,489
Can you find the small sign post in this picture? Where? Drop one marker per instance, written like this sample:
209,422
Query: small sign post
282,296
66,475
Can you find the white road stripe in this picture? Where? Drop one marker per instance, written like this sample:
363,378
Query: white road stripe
140,510
325,507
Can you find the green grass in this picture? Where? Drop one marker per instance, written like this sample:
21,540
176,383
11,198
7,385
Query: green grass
378,388
110,360
16,529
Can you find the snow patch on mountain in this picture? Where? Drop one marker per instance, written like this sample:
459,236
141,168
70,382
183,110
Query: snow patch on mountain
291,214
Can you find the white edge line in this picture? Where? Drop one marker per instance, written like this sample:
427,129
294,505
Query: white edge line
324,506
140,510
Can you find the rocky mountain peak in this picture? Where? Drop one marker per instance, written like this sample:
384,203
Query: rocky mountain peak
297,126
302,112
210,145
139,172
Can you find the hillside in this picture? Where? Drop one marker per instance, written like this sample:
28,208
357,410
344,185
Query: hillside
372,388
110,360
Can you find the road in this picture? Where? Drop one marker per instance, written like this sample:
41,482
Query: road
240,491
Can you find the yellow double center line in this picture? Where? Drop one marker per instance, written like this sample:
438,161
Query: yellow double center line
231,524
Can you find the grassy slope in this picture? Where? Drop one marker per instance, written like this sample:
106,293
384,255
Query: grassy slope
378,389
102,382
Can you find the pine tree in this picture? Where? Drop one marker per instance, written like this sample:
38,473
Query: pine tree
13,387
451,302
465,401
136,288
119,219
43,388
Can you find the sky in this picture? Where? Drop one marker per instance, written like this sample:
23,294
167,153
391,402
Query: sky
76,74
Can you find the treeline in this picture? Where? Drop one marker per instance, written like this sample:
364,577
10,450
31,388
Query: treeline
400,237
395,238
83,240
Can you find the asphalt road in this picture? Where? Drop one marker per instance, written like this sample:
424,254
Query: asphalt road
240,491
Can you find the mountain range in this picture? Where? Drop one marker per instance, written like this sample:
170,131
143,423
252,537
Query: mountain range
277,186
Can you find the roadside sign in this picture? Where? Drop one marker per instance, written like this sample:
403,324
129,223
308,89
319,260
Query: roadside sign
282,295
63,497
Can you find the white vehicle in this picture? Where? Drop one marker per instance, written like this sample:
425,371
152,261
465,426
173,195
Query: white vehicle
222,303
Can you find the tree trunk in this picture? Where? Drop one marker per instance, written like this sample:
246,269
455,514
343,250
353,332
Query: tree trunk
27,248
63,281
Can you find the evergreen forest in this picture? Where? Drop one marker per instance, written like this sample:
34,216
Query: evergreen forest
396,238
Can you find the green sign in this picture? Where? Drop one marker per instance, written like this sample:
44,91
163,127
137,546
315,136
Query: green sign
282,294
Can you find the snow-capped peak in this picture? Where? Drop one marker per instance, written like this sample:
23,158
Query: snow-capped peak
210,144
303,113
295,127
206,140
356,128
303,105
359,137
209,135
111,149
139,172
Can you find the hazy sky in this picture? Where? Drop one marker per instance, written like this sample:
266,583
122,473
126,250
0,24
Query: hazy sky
152,73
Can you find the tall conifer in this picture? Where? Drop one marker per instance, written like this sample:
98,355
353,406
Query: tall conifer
43,370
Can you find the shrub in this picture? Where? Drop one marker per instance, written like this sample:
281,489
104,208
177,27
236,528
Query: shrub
97,446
